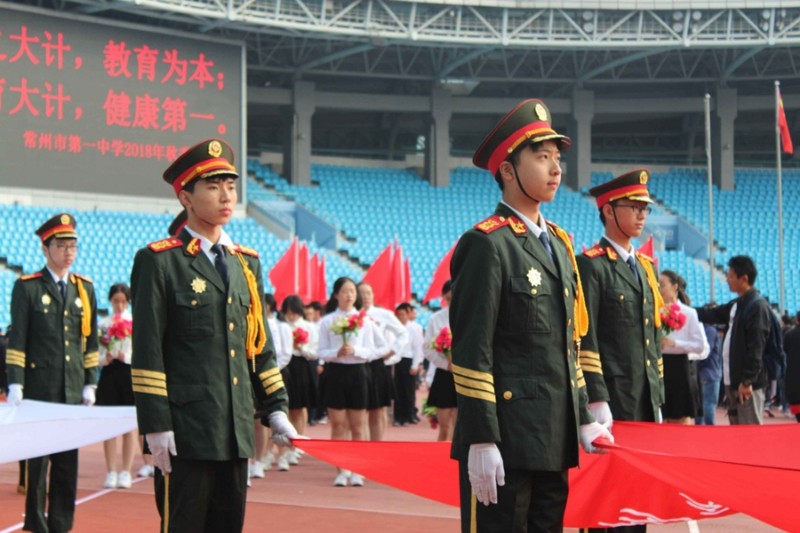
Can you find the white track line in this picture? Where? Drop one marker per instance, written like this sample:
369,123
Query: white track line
90,497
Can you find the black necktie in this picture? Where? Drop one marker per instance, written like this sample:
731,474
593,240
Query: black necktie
632,264
62,286
547,247
220,263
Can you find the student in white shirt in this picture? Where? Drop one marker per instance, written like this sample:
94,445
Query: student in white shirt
442,394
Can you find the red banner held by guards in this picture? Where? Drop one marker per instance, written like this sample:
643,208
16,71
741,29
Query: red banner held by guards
656,474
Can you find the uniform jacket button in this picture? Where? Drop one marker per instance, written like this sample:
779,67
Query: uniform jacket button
507,395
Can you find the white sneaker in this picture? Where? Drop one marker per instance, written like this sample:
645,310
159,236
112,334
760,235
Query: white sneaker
145,471
256,469
111,480
283,463
293,457
342,479
124,480
248,483
267,461
356,480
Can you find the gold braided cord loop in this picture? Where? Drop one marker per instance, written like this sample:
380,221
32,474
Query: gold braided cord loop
256,333
653,282
86,319
580,312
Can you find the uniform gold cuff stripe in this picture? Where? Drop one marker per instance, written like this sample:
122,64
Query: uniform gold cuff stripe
271,372
19,353
581,383
15,362
474,374
589,370
90,364
153,374
591,365
473,383
269,381
585,354
150,390
275,387
149,382
472,393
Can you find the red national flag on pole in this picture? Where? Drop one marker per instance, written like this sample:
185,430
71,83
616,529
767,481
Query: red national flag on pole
783,126
440,275
284,274
407,276
399,280
379,276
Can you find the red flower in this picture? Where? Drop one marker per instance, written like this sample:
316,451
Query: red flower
672,318
300,337
443,343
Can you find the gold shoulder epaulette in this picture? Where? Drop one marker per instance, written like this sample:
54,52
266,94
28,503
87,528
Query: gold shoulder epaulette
595,251
193,248
165,244
84,278
493,223
35,275
645,257
246,250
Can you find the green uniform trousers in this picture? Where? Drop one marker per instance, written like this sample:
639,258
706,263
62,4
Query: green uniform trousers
60,496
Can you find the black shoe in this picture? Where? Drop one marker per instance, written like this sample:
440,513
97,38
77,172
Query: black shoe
415,420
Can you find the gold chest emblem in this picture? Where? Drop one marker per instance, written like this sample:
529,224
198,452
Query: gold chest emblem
46,299
199,285
534,277
78,302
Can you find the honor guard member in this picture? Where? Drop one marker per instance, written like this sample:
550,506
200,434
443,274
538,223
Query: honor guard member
202,355
620,355
516,315
52,357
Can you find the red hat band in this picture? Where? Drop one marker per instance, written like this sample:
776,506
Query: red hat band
622,192
204,167
505,148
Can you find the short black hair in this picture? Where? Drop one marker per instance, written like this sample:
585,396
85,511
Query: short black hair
447,287
743,265
269,300
315,305
333,304
405,306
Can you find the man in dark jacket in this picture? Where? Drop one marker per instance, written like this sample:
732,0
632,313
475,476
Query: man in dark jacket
748,319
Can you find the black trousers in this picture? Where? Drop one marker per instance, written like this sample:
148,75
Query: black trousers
530,501
60,496
405,389
199,496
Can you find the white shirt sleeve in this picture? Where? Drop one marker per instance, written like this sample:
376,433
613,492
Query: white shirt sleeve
435,325
690,339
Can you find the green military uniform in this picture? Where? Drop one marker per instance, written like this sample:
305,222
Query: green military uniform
621,354
516,371
192,373
53,354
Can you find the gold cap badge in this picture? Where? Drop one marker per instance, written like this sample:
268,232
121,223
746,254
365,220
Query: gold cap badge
541,112
214,148
643,177
199,285
65,219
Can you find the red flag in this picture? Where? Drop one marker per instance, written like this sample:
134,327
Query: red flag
407,276
648,249
320,286
440,275
660,473
398,279
379,276
304,274
284,274
783,126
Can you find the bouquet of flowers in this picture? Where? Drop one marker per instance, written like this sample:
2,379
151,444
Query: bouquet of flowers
347,325
300,338
119,330
443,343
672,318
431,412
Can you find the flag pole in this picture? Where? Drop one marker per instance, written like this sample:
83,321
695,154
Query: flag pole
707,105
781,274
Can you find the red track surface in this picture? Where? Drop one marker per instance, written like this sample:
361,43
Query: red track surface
300,500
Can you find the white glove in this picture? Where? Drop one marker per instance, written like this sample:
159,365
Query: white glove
282,430
88,395
590,432
161,445
14,394
485,469
602,413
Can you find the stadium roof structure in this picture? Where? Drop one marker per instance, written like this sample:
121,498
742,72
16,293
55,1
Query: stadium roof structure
510,49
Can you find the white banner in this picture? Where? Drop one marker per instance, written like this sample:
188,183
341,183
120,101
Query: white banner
35,429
